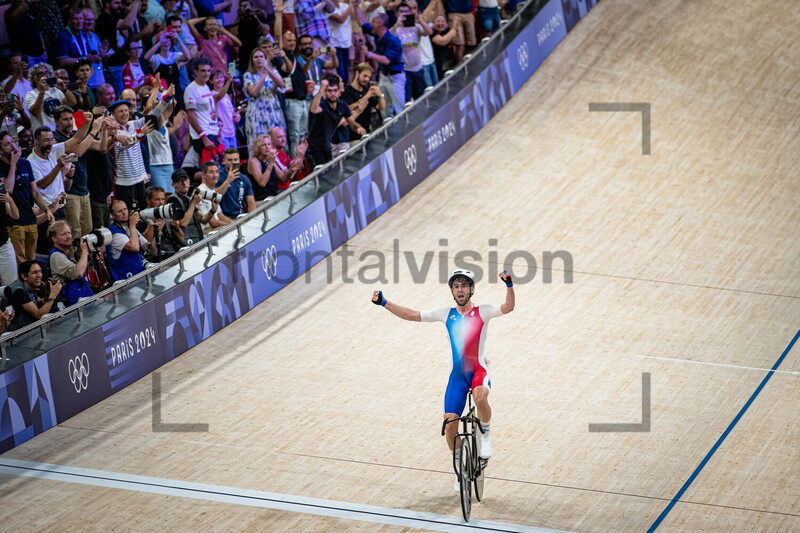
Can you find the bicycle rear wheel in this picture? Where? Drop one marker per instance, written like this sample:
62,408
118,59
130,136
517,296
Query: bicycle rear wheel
466,478
479,465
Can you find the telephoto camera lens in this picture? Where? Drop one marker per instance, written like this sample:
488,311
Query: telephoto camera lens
96,239
154,214
211,195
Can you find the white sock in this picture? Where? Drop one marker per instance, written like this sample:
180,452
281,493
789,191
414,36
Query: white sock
485,426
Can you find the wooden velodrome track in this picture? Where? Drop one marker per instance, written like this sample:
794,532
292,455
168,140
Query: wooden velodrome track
685,267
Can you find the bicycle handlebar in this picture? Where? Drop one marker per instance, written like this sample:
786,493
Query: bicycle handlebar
469,416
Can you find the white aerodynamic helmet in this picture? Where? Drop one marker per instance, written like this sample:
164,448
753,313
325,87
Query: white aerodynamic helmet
460,273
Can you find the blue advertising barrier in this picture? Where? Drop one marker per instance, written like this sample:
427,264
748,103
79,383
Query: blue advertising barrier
70,378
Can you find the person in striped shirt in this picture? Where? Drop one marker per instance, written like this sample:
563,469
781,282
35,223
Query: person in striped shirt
130,169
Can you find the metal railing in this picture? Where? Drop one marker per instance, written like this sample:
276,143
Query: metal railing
262,210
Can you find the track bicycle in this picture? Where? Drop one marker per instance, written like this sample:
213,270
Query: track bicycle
470,468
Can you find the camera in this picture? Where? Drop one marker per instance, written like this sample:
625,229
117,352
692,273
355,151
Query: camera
166,212
96,239
5,292
213,196
73,157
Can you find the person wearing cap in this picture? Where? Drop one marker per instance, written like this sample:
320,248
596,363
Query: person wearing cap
189,229
467,325
131,170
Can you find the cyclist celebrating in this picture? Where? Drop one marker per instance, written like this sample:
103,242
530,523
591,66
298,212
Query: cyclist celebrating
467,325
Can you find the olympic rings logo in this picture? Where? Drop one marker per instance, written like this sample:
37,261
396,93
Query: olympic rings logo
410,159
79,372
522,56
269,261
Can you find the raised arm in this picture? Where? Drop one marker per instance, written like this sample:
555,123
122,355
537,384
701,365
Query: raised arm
397,310
508,306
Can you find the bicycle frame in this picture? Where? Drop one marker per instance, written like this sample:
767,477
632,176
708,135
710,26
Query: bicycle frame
469,422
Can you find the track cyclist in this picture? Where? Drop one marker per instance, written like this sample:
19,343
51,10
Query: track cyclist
467,326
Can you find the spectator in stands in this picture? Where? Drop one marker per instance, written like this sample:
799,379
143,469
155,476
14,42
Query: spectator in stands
443,37
164,60
8,260
52,164
363,99
326,114
25,32
133,73
489,16
64,268
220,82
283,162
201,109
83,94
100,172
124,254
13,117
313,65
250,25
460,18
161,166
141,31
98,51
389,54
111,21
78,210
310,20
410,29
342,36
130,167
44,98
106,95
238,197
188,230
214,42
48,13
28,307
73,44
16,82
26,141
261,82
261,168
296,92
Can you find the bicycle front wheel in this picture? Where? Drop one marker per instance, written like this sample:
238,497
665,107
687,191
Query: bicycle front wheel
478,467
466,478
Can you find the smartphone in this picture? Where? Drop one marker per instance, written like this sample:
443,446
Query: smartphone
10,99
373,83
232,69
323,49
409,22
3,186
73,158
170,28
52,81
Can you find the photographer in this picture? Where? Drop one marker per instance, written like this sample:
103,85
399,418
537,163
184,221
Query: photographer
32,297
124,254
156,231
63,266
188,230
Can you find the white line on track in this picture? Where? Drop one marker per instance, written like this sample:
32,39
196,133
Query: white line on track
717,364
253,498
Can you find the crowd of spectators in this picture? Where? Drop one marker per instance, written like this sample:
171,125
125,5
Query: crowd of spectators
111,110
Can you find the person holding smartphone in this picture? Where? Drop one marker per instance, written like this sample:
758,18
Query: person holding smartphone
45,96
410,29
239,195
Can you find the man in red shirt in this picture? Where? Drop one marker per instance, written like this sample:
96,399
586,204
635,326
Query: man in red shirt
295,166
